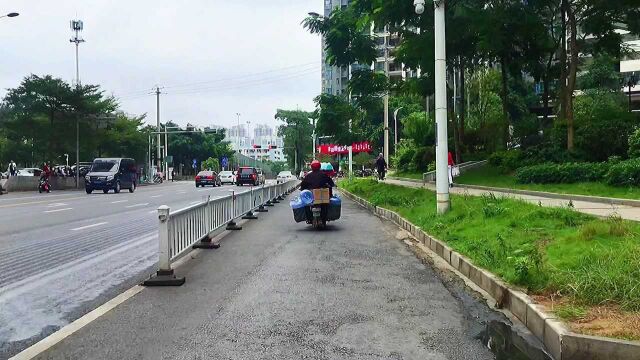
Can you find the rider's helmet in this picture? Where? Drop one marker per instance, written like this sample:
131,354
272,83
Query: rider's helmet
315,165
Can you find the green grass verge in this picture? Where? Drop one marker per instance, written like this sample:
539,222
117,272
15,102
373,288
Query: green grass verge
407,175
491,176
591,261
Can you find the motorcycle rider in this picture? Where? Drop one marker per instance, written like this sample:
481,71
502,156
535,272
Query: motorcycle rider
317,179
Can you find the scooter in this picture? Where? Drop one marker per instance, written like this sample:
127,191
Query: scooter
43,185
316,217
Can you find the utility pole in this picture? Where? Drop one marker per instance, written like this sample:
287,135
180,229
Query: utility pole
386,96
238,133
158,129
76,27
442,168
442,147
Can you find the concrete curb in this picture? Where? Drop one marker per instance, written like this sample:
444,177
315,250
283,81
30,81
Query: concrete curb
573,197
561,343
405,179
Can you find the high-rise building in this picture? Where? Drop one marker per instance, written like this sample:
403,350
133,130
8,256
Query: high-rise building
335,79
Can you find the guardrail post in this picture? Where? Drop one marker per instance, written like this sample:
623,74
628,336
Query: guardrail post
281,190
232,224
250,215
276,194
165,275
269,197
207,242
261,207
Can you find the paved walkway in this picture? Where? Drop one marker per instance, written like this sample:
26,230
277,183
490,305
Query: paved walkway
593,208
287,292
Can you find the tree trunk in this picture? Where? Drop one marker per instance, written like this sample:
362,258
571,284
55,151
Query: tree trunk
463,109
451,98
562,97
505,94
571,83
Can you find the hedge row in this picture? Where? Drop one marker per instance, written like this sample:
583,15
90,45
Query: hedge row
622,173
562,173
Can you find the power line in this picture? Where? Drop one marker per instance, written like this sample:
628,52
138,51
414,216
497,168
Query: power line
256,82
193,84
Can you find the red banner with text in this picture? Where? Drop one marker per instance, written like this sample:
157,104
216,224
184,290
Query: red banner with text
331,149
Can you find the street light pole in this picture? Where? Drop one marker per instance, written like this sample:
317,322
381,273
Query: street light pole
77,26
386,96
442,176
395,132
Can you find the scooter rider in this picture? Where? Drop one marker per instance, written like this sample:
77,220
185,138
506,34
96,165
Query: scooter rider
317,179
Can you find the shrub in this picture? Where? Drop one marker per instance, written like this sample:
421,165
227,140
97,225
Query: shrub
562,173
422,157
624,173
634,144
403,159
506,160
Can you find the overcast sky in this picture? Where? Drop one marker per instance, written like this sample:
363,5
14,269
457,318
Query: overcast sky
215,58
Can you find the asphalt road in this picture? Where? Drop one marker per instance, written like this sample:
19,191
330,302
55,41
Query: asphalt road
62,254
287,292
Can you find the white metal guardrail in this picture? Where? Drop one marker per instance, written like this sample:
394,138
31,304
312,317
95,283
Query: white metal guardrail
182,230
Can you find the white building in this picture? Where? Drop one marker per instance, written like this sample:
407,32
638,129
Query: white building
265,154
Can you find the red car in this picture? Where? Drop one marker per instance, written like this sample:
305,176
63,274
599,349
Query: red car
208,178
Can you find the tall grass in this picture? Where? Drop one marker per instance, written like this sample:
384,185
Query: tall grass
545,250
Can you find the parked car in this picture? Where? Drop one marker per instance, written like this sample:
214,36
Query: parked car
248,175
227,177
29,172
205,178
111,174
285,176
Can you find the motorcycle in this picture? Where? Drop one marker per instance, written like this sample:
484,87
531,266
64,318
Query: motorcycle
43,186
157,178
311,206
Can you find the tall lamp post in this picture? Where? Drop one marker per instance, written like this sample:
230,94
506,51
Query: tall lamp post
442,148
395,132
77,26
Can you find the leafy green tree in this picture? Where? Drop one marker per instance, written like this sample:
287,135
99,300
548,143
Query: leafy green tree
124,137
603,125
601,74
40,116
199,145
297,132
211,163
334,115
420,128
363,160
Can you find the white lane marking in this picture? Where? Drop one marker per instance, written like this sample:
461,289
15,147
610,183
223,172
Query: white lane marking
53,339
153,212
157,196
136,205
119,201
182,192
88,226
57,205
195,202
57,210
201,190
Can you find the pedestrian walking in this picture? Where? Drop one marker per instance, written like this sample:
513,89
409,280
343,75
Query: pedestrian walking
381,166
13,169
450,169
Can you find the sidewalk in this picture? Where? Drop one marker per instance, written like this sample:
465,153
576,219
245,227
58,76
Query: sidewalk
287,292
587,207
